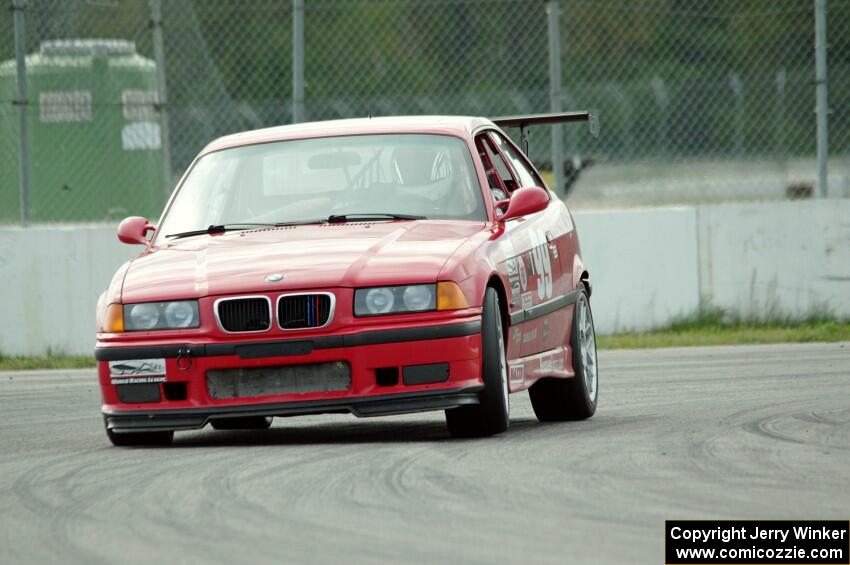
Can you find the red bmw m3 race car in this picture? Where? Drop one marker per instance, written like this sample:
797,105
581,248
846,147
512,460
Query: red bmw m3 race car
367,266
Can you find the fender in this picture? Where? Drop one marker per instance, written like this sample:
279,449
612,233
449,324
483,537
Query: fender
580,272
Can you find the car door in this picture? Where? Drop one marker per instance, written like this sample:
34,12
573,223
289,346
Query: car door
513,244
541,273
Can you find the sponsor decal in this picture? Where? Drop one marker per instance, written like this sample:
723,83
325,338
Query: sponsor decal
512,268
527,301
515,291
551,363
529,336
517,373
137,371
536,262
517,336
137,380
545,329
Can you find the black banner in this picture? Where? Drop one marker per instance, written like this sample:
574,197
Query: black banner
757,542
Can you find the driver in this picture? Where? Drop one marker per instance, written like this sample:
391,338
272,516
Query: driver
422,166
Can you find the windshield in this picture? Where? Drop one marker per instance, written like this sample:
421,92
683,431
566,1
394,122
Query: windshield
312,179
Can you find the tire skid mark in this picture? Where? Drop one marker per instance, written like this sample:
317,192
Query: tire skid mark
51,490
320,491
793,428
676,441
770,447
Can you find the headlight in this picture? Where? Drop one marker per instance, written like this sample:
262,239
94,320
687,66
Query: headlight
142,316
379,301
395,299
181,314
161,315
420,297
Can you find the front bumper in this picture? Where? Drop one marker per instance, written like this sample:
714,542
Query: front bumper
384,405
456,345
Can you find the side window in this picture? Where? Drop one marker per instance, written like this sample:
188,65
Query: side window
503,169
499,174
494,180
527,176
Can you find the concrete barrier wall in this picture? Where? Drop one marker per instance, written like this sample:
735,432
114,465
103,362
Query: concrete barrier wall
643,265
51,278
648,266
786,258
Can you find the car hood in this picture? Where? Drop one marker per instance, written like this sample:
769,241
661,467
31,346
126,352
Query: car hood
313,256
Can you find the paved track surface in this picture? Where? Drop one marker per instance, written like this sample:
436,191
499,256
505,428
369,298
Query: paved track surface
726,432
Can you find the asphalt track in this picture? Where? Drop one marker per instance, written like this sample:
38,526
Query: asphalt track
726,432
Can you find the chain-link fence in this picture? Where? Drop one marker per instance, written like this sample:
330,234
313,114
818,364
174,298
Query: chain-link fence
699,100
91,124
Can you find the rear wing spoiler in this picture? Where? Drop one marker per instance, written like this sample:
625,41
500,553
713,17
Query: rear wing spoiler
523,122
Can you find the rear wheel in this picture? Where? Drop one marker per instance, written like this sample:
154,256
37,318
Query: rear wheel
491,416
140,438
246,423
558,400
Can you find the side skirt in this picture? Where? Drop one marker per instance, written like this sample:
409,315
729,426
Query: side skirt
525,371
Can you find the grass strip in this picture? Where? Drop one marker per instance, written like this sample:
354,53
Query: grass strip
714,327
46,362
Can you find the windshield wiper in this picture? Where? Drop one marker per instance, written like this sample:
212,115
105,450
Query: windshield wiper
219,228
299,223
335,218
369,216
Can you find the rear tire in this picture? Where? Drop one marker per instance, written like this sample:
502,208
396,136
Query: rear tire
492,415
560,400
138,439
246,423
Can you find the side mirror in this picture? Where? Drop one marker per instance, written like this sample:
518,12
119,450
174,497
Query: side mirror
134,230
525,201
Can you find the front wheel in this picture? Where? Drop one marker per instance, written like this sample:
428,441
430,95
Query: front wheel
558,400
491,415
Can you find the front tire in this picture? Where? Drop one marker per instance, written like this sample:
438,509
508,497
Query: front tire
559,400
492,415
